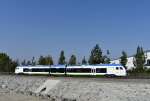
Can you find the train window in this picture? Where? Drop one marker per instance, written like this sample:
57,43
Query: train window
61,70
47,70
35,70
40,70
53,70
79,70
148,62
117,68
121,68
27,70
69,69
86,70
101,70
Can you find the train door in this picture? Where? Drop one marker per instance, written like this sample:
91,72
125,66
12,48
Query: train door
30,71
93,70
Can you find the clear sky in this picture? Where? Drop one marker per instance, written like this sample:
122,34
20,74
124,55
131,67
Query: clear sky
33,27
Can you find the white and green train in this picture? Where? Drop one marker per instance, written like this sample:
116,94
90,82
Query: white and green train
101,69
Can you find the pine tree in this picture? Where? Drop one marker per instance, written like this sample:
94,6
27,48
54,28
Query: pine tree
108,57
72,60
29,63
49,60
33,61
61,60
24,63
123,59
104,59
96,55
7,64
139,59
84,62
41,62
14,64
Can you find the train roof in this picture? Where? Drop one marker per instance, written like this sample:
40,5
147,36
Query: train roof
76,66
106,65
63,66
38,66
42,66
58,66
97,65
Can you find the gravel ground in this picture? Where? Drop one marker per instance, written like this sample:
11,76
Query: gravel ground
76,89
20,88
95,91
20,83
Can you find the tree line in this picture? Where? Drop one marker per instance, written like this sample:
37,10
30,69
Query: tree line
96,57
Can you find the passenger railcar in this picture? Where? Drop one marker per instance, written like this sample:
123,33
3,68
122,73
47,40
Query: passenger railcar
101,69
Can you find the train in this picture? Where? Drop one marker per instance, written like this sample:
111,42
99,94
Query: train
82,70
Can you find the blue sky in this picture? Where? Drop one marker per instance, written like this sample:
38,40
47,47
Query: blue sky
33,27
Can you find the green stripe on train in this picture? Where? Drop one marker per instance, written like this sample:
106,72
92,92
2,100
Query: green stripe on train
57,73
36,72
78,73
60,73
43,73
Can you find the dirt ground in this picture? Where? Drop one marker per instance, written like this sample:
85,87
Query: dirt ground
19,97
